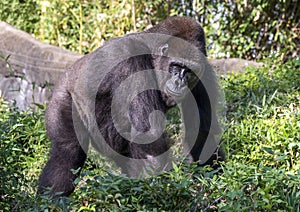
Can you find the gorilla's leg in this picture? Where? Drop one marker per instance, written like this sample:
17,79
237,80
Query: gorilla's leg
66,152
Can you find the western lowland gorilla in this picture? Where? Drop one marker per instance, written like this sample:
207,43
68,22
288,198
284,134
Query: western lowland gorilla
115,98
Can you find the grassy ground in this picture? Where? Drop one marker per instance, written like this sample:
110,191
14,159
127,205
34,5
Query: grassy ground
261,140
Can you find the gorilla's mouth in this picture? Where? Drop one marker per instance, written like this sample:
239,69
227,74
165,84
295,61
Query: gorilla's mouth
175,94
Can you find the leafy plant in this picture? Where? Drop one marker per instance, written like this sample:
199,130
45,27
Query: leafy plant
262,171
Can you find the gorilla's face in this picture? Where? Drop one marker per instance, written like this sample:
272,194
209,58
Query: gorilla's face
181,77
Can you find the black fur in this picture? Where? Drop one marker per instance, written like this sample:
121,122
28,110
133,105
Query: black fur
66,151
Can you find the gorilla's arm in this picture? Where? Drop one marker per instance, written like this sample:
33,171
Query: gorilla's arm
206,93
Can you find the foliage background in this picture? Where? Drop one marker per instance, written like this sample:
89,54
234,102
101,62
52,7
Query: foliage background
240,28
262,132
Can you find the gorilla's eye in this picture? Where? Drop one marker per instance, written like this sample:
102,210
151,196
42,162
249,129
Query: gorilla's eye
176,68
179,70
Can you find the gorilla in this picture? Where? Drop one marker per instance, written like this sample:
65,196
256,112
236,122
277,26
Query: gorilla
115,99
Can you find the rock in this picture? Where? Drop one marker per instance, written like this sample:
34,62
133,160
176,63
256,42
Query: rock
232,65
31,68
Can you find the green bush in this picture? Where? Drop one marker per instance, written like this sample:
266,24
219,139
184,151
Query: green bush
262,171
23,152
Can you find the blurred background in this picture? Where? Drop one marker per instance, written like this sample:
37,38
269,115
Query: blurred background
234,28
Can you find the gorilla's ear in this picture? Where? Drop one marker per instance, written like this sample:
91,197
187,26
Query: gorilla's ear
163,50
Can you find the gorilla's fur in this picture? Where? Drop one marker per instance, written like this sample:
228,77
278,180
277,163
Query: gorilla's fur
71,105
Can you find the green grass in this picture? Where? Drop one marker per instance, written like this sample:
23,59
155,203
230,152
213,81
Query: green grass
261,140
